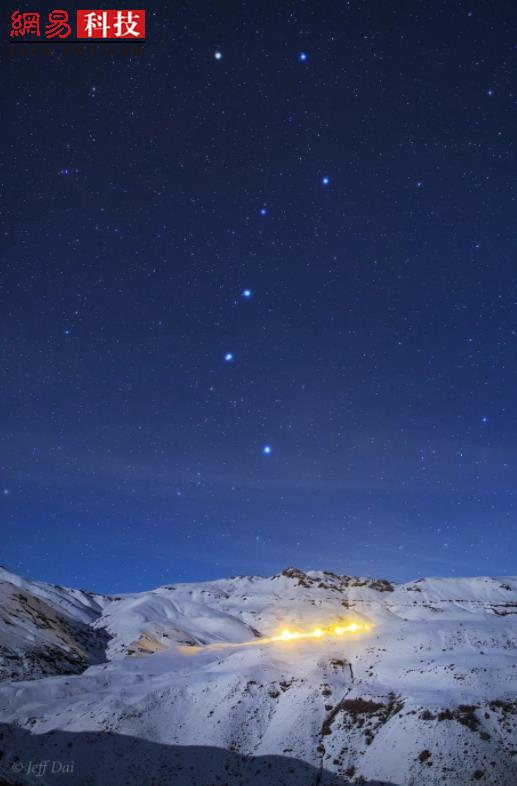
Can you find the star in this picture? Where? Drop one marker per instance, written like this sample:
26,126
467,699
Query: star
484,419
68,332
218,55
229,357
302,57
246,293
325,181
266,450
263,211
6,492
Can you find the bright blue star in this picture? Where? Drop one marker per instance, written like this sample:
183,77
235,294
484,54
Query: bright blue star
325,181
246,293
302,57
218,55
484,419
266,450
229,357
263,211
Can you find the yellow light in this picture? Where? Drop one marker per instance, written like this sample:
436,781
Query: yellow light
289,635
318,633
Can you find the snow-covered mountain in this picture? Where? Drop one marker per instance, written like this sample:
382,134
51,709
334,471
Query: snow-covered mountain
183,685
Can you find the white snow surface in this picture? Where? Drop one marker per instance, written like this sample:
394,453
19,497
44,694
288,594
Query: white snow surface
427,696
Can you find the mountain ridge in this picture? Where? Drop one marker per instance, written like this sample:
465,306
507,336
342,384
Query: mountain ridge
427,686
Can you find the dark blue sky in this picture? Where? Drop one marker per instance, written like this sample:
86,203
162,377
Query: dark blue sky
377,355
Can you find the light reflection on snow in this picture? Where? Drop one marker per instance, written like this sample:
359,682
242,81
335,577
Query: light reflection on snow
287,635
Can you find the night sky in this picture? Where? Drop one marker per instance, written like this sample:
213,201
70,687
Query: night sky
259,295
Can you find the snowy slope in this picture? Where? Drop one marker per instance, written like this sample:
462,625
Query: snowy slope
427,696
46,629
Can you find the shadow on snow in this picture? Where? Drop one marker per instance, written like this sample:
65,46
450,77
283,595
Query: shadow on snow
108,759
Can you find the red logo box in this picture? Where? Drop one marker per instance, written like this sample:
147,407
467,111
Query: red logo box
123,25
